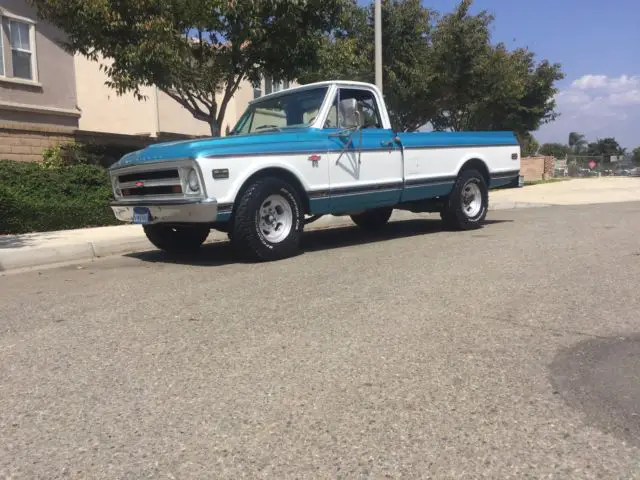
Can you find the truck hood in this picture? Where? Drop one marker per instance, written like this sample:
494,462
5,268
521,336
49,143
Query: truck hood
285,141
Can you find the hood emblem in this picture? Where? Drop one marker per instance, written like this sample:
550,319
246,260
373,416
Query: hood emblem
139,184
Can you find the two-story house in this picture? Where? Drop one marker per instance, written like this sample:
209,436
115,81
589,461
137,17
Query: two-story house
48,96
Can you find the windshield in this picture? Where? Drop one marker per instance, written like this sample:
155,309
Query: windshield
297,109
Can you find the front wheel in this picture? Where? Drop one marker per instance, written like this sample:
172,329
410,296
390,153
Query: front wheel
182,239
468,203
268,221
372,219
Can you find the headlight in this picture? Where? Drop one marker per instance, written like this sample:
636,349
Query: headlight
192,181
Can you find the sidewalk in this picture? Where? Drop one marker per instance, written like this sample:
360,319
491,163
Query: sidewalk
50,248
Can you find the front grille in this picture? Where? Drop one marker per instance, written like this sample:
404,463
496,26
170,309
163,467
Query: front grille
156,182
152,175
161,190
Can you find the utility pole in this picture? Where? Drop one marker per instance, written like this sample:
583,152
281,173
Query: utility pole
378,42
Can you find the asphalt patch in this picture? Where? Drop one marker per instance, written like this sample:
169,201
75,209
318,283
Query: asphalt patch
601,378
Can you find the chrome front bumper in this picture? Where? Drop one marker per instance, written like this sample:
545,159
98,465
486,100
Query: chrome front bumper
165,211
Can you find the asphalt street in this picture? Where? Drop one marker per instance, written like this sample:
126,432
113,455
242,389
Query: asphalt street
507,352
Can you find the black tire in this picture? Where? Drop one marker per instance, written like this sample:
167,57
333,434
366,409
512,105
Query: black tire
181,239
248,239
372,219
454,214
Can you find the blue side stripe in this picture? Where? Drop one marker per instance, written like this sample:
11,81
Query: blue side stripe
362,200
308,140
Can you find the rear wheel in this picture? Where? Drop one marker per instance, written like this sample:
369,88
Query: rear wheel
181,239
268,221
372,219
467,205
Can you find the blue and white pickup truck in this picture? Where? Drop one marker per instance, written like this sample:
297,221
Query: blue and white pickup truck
298,154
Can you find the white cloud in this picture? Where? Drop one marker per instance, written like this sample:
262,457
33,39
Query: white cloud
598,106
602,82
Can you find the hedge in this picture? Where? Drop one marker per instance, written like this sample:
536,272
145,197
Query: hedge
36,199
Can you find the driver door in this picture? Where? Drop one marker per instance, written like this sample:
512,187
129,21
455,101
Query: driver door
365,165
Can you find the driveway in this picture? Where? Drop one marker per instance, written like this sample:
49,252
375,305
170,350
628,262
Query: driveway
507,352
576,191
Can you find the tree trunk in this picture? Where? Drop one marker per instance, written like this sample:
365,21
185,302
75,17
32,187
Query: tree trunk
221,113
215,128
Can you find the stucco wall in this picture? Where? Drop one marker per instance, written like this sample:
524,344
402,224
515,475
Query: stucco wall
103,110
175,118
55,83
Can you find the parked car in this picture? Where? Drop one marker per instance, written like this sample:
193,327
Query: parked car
298,154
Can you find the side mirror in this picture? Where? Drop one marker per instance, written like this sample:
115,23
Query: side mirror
349,114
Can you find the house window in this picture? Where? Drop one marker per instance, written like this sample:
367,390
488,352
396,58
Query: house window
17,48
271,86
21,49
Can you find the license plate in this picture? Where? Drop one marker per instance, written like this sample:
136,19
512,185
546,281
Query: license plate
141,215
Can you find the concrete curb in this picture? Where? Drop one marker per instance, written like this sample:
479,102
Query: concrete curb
30,257
120,246
57,253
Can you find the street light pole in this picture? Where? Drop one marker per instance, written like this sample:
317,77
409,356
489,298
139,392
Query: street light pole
378,42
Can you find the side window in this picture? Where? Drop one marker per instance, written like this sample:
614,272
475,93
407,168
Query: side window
366,105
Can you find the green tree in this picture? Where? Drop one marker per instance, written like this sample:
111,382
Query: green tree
557,150
460,53
195,50
636,155
529,146
605,147
442,70
577,142
407,73
348,53
480,86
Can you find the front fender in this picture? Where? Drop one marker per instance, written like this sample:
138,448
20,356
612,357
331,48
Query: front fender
242,169
275,167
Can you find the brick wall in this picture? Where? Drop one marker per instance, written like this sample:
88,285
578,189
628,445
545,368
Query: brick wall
536,168
549,166
25,142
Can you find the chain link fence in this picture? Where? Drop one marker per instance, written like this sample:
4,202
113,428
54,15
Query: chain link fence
595,166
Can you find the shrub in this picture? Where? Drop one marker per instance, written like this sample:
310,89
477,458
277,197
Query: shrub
36,199
72,153
66,154
107,155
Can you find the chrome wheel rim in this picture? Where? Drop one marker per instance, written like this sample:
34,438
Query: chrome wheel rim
276,218
471,199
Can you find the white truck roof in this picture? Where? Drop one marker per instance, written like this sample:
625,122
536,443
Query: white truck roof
326,83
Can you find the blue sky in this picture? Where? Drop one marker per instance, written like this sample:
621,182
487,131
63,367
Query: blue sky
598,44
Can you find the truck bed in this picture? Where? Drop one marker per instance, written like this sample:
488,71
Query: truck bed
457,139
